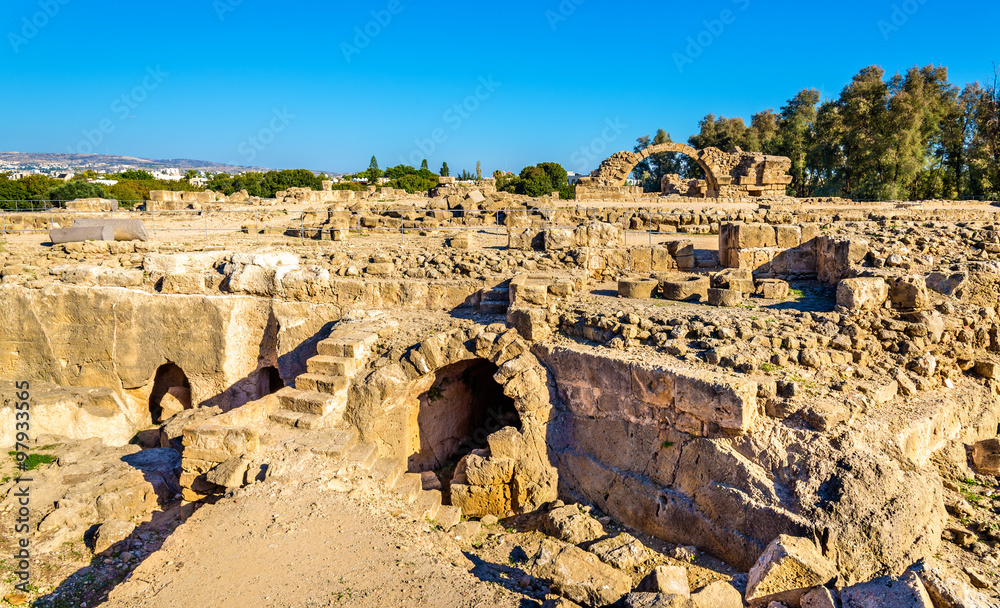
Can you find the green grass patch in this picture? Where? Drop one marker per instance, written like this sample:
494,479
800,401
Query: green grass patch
33,461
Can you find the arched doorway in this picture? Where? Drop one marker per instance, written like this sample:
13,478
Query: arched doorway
269,381
171,392
456,416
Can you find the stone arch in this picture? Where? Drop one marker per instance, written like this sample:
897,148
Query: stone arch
171,392
615,170
512,472
455,417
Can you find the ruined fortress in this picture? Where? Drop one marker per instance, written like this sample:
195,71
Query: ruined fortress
806,391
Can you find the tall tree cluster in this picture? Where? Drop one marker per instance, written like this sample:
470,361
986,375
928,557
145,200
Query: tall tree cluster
902,137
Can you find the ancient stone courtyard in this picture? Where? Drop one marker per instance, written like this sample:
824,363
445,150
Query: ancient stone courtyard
478,399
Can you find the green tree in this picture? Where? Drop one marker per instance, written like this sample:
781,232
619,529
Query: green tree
134,174
556,174
506,182
412,180
796,137
37,186
74,190
423,165
762,134
11,190
867,142
444,170
722,133
984,148
374,173
190,174
126,195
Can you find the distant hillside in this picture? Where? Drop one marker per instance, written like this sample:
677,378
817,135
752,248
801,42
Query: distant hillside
99,161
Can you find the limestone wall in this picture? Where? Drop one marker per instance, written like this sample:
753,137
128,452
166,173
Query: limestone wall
789,251
691,460
117,338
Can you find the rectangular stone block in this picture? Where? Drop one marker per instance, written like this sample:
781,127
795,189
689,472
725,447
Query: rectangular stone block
661,260
788,237
747,236
642,259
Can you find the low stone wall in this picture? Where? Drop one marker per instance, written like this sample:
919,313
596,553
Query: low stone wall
789,251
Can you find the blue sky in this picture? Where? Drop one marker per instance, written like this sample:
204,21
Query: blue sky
300,84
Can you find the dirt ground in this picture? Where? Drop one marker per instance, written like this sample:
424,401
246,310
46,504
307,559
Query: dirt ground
287,546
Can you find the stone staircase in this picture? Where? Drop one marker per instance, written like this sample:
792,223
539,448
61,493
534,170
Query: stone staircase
359,458
320,395
315,408
495,300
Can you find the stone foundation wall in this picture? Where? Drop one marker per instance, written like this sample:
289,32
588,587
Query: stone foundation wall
789,251
690,460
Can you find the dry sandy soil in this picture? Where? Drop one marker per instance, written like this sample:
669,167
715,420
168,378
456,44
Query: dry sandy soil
272,546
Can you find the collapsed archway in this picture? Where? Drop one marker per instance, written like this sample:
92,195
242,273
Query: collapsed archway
171,392
614,171
455,417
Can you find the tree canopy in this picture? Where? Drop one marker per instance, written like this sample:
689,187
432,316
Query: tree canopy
265,185
76,189
906,136
537,180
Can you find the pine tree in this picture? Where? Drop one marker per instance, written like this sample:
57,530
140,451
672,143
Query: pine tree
423,165
374,173
444,170
796,134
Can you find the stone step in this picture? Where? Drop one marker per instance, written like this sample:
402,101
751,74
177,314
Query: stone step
288,418
493,308
409,487
448,516
496,294
428,503
355,345
388,470
362,456
307,402
321,384
331,366
336,444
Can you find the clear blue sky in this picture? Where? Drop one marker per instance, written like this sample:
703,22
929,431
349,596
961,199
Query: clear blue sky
272,84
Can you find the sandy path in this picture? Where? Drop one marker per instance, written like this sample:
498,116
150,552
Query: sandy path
289,546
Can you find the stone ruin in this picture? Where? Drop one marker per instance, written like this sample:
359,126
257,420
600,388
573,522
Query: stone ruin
732,175
806,392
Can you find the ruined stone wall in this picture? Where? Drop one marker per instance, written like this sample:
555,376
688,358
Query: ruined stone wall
117,338
796,251
733,175
691,460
